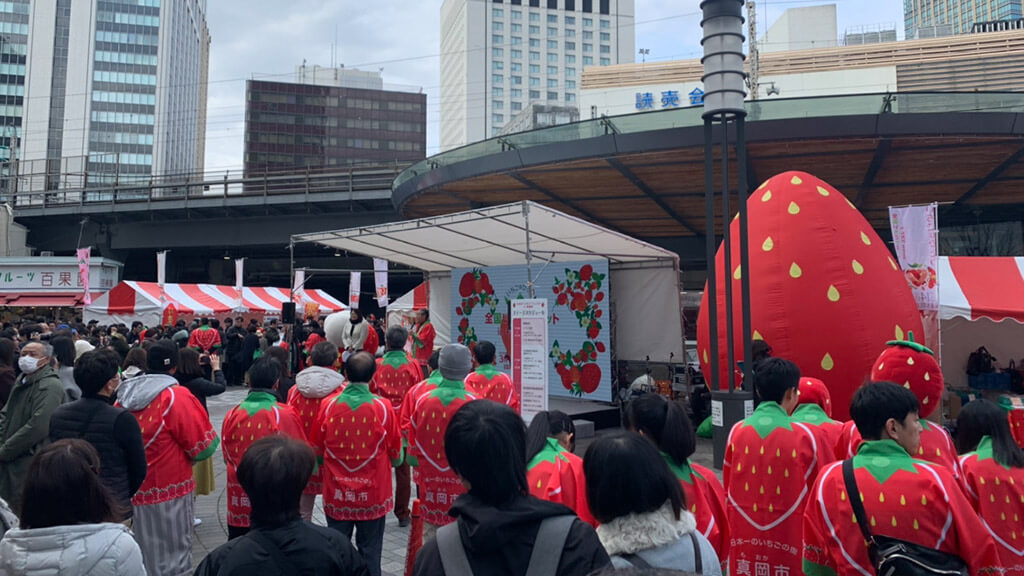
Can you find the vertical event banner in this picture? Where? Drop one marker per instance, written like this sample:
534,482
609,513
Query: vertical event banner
578,355
239,275
380,281
161,267
354,283
530,355
84,255
915,236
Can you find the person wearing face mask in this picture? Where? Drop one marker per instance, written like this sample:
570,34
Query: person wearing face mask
112,431
25,419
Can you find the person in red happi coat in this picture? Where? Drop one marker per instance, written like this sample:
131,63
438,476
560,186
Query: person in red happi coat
553,472
666,424
488,382
259,415
357,435
993,475
903,497
815,410
396,374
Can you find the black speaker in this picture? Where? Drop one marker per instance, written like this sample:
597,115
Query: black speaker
288,313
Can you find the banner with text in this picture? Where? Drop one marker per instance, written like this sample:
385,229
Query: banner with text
354,283
916,240
530,355
380,281
578,350
239,276
84,255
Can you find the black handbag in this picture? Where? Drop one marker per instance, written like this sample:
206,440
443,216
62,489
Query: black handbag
895,557
980,362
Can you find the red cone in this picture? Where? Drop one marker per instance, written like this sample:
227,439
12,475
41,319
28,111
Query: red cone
415,537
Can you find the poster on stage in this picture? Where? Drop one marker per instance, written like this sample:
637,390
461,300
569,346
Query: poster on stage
530,355
916,241
579,349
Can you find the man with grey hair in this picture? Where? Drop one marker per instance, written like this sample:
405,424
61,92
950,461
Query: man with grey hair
312,385
432,410
25,419
396,373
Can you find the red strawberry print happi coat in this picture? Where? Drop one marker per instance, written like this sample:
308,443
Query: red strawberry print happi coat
357,435
997,494
396,374
706,498
428,422
770,464
825,291
258,416
556,475
903,498
411,397
489,383
308,409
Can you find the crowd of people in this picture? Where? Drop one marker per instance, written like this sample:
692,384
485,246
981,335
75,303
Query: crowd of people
99,465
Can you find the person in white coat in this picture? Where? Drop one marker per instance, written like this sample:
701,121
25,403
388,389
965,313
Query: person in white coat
354,336
69,520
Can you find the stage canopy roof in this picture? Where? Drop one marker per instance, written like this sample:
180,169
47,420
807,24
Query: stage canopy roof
495,236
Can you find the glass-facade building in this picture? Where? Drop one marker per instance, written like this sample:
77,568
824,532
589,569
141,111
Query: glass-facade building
13,50
115,89
959,15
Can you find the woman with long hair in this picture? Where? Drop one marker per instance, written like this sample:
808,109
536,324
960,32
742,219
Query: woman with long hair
191,374
666,424
69,519
134,362
993,474
553,472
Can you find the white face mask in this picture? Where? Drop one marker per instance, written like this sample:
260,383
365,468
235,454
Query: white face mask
28,364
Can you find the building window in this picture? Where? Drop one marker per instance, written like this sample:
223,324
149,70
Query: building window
552,18
552,95
570,46
570,72
534,30
570,33
534,56
552,4
517,40
516,92
497,91
570,97
588,35
606,37
570,58
534,94
497,65
497,39
516,81
552,70
517,27
605,7
552,58
552,31
588,60
587,22
605,23
570,6
517,14
606,61
497,26
606,49
552,44
587,48
497,118
517,106
497,52
588,6
570,84
517,53
534,42
516,66
570,20
497,13
534,16
497,79
534,68
552,82
499,105
534,81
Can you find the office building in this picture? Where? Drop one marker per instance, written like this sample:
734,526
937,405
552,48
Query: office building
346,118
115,89
13,49
932,18
801,29
500,56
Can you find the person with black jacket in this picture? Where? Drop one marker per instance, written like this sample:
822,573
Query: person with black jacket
497,520
192,375
113,431
250,345
273,472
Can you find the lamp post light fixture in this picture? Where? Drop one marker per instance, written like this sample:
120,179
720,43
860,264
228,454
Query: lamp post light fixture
644,52
724,94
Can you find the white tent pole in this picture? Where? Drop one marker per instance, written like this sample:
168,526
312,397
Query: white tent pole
529,253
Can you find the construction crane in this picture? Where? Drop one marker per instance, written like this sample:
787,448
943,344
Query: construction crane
755,57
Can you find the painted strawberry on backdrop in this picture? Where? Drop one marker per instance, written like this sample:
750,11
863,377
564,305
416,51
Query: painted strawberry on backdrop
825,291
476,291
580,291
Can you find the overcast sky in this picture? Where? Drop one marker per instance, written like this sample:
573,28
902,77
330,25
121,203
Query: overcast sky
264,40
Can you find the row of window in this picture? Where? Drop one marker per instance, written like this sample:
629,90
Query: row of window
118,37
12,69
9,110
122,117
126,58
132,19
14,8
498,40
516,80
124,98
499,92
317,140
120,138
534,68
587,6
124,78
146,3
13,28
552,18
497,26
12,89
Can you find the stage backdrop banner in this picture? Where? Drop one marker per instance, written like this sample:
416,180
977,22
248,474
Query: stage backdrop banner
579,355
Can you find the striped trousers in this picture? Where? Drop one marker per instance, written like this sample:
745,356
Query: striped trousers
164,533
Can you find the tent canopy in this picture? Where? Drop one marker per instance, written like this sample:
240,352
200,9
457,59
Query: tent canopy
495,236
414,299
142,301
975,288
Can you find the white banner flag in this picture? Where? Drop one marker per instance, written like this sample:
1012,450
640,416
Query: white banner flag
161,268
355,282
915,236
380,281
239,276
299,281
84,256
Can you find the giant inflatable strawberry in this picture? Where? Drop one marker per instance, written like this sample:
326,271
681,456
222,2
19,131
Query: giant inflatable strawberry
825,291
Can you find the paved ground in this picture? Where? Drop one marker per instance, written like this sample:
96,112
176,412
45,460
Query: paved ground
212,509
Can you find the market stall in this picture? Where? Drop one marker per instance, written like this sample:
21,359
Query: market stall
611,297
146,301
51,286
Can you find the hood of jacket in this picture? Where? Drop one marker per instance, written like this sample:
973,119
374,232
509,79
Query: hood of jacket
318,381
131,371
66,550
136,393
634,532
488,529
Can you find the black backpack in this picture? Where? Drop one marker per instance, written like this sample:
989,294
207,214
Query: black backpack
980,362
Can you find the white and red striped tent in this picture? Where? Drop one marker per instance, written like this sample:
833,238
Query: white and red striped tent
981,303
399,311
144,301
